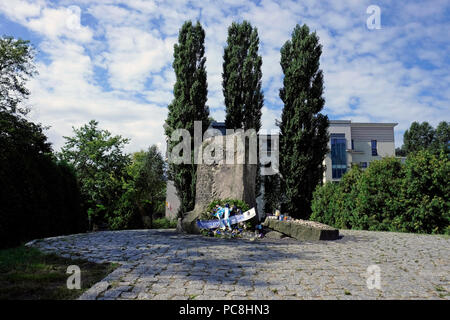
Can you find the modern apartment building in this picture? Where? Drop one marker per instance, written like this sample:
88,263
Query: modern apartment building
356,143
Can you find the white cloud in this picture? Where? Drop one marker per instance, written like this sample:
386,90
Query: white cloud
64,94
134,55
131,42
65,21
20,10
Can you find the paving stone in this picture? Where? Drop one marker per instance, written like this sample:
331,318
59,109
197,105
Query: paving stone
112,294
144,296
128,295
162,264
93,292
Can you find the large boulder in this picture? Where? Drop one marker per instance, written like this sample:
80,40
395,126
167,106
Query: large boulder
221,180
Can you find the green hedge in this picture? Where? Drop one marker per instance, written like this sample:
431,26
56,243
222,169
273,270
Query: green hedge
39,197
389,196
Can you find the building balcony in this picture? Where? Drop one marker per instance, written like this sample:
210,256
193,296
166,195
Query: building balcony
355,151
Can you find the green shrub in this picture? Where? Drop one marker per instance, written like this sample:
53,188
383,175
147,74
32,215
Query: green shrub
39,197
378,204
164,223
333,203
389,196
222,202
426,193
325,204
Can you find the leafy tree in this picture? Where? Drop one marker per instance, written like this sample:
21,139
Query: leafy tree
303,129
39,197
99,163
325,205
271,193
334,203
426,193
390,196
16,66
242,77
148,174
400,152
188,105
143,192
441,138
422,136
419,136
378,204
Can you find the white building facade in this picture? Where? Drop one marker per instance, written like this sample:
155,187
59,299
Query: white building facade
356,143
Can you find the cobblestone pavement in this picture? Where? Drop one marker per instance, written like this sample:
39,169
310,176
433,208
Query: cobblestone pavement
162,264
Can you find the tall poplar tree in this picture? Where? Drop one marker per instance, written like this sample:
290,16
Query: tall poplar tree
188,105
303,129
242,77
242,81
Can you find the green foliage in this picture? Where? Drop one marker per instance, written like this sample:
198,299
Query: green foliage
16,66
441,140
39,196
119,191
189,105
222,202
426,193
422,136
333,203
400,152
419,136
242,77
241,83
271,193
389,196
100,165
148,174
325,205
164,223
144,189
377,203
303,129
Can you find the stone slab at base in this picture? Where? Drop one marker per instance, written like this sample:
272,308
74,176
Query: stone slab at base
303,230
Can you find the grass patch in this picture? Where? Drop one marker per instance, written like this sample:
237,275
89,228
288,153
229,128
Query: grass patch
347,293
28,274
439,288
164,223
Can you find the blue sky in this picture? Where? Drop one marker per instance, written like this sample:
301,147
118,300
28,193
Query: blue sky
111,60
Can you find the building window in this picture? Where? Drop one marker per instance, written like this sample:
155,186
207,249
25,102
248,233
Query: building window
353,145
374,147
338,156
363,165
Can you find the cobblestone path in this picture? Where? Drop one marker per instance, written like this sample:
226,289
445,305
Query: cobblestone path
162,264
